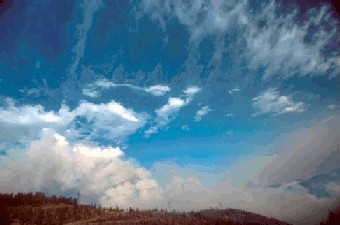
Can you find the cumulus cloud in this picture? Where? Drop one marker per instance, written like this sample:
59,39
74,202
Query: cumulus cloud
100,174
89,121
93,90
202,112
168,111
270,101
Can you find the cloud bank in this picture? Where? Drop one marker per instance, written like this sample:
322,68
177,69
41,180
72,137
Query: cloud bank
101,175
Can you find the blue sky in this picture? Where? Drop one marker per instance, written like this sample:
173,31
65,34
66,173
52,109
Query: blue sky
201,87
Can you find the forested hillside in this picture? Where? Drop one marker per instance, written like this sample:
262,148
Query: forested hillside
37,208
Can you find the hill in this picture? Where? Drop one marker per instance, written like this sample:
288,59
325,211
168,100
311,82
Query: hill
37,208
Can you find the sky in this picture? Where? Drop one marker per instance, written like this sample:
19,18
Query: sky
175,104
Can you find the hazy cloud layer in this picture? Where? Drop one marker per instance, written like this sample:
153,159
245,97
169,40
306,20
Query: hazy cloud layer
300,154
103,175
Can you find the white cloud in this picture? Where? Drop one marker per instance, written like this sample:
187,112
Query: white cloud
280,44
202,112
89,121
110,121
192,90
104,83
89,109
157,90
173,105
168,111
101,175
98,152
281,47
234,90
30,115
93,90
200,17
165,114
270,101
90,93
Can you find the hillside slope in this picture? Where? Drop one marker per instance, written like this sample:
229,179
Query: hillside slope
38,209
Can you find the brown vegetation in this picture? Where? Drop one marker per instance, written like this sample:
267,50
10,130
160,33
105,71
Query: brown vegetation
39,209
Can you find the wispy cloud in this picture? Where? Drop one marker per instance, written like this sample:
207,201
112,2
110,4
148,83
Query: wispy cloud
281,47
192,90
93,90
168,111
200,17
91,93
165,113
230,115
157,90
232,91
280,44
270,101
202,112
89,7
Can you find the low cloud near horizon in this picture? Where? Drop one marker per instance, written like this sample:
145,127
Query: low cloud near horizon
103,175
